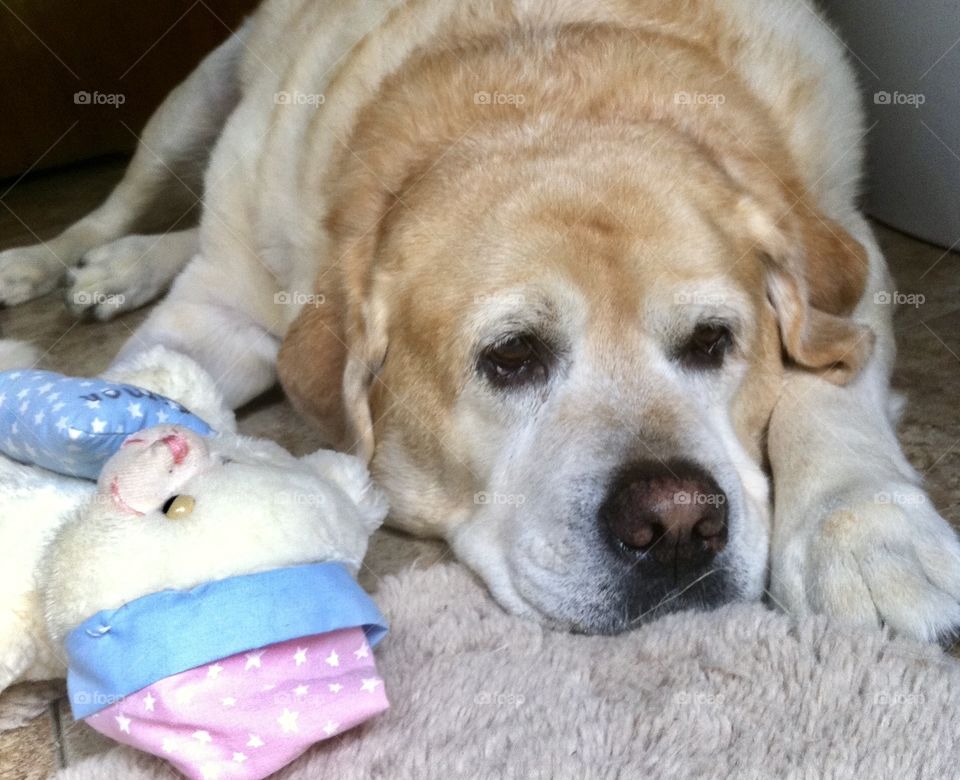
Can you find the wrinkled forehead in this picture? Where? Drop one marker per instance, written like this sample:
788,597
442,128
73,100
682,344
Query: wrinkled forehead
628,261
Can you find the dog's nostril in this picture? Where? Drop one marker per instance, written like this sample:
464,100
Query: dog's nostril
712,532
637,535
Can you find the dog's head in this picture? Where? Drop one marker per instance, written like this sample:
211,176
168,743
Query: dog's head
561,350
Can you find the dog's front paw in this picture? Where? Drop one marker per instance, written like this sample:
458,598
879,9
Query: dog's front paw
116,277
886,559
27,273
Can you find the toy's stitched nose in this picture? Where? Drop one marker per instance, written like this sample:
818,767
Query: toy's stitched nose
675,513
179,447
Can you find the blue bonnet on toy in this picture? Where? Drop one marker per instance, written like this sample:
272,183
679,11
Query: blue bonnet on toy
73,425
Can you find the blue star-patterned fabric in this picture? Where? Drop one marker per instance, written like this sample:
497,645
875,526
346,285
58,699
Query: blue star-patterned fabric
72,426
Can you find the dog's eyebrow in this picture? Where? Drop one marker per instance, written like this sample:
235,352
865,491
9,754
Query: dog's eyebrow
513,313
731,319
674,323
707,300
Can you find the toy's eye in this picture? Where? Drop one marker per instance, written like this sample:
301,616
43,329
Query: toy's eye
178,507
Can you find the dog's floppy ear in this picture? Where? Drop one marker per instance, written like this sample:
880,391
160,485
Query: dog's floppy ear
333,351
332,354
328,363
311,365
816,275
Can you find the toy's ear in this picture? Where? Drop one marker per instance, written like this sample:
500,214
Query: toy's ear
174,375
351,475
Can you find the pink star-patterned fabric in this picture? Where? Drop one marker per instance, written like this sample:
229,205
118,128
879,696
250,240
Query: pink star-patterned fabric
248,715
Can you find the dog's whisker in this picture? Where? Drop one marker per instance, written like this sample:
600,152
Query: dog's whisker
675,594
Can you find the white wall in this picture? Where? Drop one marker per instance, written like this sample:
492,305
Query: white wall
909,50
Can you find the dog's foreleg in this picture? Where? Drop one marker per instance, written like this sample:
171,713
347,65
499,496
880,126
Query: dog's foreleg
855,535
162,183
211,322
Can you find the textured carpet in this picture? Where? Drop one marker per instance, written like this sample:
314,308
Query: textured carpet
738,692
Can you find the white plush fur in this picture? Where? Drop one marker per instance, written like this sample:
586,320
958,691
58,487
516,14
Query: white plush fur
248,518
17,354
33,505
71,550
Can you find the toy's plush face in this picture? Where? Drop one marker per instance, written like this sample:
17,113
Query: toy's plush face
151,467
173,510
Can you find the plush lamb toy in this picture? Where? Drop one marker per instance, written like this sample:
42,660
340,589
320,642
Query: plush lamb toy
199,596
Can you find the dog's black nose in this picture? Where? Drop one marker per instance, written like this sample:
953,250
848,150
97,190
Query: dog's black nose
673,515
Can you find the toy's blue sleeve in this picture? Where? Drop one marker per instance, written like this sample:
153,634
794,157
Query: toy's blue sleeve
72,426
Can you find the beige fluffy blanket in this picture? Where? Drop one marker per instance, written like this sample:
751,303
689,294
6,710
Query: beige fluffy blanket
738,692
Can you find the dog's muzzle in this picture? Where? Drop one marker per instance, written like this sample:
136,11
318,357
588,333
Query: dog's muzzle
667,523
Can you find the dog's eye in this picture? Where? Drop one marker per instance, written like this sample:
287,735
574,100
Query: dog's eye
707,346
514,361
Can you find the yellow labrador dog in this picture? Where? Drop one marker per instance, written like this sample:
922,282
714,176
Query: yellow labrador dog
586,281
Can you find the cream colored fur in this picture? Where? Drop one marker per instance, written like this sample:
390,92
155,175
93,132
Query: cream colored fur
272,113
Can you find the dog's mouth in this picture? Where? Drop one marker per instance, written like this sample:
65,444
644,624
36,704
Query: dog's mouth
620,601
590,589
650,600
